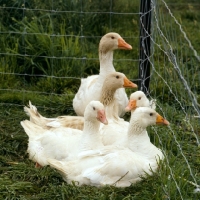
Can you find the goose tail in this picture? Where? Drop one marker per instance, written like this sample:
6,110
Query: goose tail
31,129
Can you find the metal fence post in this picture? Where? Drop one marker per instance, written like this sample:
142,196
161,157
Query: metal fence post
145,42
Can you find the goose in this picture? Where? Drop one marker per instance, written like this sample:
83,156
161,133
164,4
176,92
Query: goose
112,83
91,86
116,131
64,143
116,125
139,99
121,137
114,165
141,142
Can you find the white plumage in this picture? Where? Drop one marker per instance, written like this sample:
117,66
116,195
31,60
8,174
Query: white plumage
110,86
115,165
76,122
117,129
91,86
81,155
65,143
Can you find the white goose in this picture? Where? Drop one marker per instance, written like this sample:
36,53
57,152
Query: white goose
65,143
116,125
112,83
91,86
140,142
118,166
116,131
139,99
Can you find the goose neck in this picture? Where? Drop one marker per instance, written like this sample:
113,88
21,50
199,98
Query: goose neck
107,95
106,62
135,130
137,135
90,137
91,127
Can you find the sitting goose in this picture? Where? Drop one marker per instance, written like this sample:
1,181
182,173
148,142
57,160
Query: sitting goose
116,131
139,99
114,165
64,143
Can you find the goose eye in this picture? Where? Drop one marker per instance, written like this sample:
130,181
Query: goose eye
112,37
93,108
117,77
139,98
151,114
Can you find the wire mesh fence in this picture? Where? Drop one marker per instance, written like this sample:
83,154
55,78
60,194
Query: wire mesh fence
47,47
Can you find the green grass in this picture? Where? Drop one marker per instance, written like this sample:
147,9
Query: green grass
21,180
25,78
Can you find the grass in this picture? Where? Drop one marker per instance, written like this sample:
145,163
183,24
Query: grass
21,180
50,76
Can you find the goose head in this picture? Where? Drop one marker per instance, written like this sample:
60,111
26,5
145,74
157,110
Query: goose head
116,80
147,116
112,41
137,99
112,82
95,111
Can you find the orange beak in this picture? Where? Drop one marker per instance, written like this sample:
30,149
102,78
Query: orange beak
131,105
129,84
101,116
123,45
161,120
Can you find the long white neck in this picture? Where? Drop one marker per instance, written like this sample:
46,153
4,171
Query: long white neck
106,62
90,138
138,138
139,141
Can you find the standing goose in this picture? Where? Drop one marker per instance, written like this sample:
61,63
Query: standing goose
65,143
113,165
91,86
113,82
